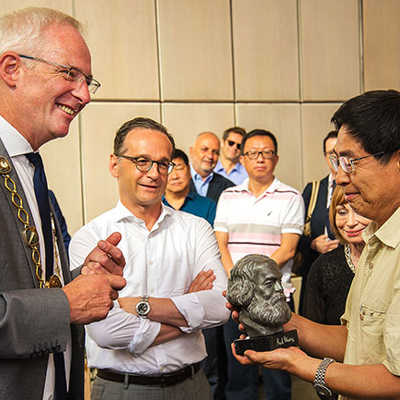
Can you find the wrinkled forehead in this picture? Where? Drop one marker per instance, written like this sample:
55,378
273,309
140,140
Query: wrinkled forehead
267,270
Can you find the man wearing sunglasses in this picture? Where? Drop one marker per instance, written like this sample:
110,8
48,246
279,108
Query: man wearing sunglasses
361,358
151,345
228,164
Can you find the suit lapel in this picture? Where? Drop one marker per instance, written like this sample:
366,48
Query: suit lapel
13,210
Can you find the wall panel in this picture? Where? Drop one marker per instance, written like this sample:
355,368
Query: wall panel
266,50
330,56
186,121
61,158
62,5
316,124
283,120
195,50
122,39
382,44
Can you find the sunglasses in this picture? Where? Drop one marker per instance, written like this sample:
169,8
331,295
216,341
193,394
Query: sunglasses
231,143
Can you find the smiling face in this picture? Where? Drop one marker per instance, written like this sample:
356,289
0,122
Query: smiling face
48,101
141,189
204,154
372,189
179,178
260,169
349,224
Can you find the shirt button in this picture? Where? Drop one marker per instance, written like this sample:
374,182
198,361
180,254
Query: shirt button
362,316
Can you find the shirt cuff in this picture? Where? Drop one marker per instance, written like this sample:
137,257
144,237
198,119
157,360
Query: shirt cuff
144,336
191,309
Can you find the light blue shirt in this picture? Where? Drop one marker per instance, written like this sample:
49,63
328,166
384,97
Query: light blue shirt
237,175
200,184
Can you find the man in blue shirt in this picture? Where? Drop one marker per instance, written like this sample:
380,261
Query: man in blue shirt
228,164
178,194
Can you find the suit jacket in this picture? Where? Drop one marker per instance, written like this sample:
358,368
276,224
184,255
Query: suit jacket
216,186
34,322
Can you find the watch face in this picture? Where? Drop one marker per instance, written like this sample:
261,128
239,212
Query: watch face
143,308
323,392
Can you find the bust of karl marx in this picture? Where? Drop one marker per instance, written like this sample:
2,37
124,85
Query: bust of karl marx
255,289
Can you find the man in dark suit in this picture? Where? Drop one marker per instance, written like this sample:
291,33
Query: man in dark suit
321,240
41,308
204,157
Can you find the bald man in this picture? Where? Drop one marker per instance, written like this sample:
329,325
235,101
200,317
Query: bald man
204,157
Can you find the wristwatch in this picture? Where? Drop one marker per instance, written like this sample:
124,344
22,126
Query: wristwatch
320,387
143,307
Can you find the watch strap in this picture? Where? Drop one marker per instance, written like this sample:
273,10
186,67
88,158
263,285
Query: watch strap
319,380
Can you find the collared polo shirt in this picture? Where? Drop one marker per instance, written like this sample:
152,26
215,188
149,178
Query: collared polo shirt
255,224
372,312
237,175
198,205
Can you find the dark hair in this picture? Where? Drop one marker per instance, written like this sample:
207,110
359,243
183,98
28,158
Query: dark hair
330,135
236,129
373,119
259,132
178,153
139,122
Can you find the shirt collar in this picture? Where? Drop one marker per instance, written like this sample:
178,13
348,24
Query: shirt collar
330,180
13,141
121,212
220,168
196,177
388,233
270,189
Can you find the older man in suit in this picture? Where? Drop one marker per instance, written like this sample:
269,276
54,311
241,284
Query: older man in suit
204,157
45,81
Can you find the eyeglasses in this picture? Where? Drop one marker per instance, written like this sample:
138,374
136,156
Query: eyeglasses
145,165
348,165
266,154
70,73
231,143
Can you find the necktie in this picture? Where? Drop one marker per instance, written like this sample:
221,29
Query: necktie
42,198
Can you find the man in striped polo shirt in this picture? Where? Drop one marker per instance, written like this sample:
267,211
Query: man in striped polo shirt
260,216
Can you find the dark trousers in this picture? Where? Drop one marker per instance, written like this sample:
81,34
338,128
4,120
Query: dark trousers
214,365
242,382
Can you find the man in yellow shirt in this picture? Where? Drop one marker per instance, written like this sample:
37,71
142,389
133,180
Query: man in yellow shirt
361,357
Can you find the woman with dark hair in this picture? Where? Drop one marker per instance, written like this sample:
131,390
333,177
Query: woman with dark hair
331,274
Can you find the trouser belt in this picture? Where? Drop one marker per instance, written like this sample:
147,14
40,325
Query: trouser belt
169,379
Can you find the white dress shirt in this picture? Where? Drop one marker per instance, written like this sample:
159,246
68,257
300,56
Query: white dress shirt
159,263
17,146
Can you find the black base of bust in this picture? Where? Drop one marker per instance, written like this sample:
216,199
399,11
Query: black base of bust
267,343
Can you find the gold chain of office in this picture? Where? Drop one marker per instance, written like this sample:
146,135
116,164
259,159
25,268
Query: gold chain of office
30,235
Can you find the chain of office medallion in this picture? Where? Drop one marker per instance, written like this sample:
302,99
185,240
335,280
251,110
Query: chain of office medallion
23,216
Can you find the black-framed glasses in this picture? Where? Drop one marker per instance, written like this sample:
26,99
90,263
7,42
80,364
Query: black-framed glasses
265,154
144,164
347,164
69,73
231,143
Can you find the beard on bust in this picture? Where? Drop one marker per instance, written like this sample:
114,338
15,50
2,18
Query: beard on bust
272,312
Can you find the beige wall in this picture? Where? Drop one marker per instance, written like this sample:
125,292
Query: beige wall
283,65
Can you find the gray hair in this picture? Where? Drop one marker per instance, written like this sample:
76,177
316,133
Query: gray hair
21,30
241,283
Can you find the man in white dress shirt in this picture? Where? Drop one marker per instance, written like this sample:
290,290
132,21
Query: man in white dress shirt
150,346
